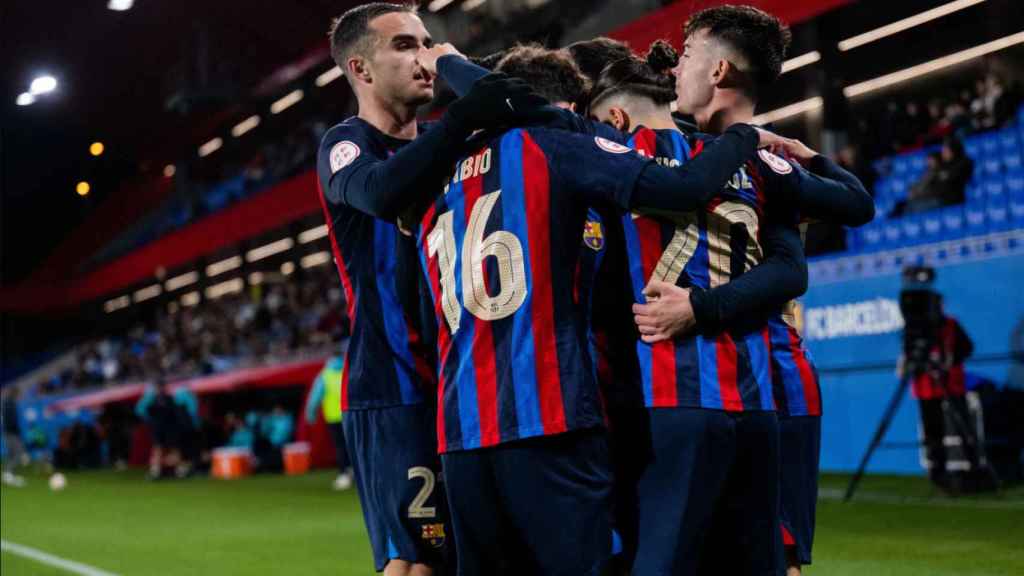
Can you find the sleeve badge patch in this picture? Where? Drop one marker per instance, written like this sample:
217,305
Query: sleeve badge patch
777,164
343,154
609,146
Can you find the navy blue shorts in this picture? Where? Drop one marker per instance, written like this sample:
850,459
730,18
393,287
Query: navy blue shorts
799,450
539,506
397,472
708,497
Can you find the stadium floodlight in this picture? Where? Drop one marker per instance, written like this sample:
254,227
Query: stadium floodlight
313,234
315,259
438,5
933,65
120,5
787,111
245,125
210,147
223,266
286,101
332,74
25,99
96,148
147,293
227,287
268,250
83,188
472,5
181,281
43,85
115,304
905,24
800,61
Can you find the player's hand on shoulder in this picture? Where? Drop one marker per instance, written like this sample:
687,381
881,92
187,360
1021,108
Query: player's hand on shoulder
667,314
769,140
795,149
428,57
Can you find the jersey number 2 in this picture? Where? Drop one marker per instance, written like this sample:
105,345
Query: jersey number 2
501,245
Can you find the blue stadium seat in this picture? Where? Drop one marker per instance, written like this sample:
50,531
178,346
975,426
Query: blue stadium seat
975,221
913,229
892,233
975,191
991,165
918,163
972,145
871,237
998,214
854,241
1015,182
1016,206
1009,140
953,223
989,143
898,188
995,188
1012,160
931,224
900,165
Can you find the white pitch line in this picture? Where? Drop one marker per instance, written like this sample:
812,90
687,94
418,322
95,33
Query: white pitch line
51,560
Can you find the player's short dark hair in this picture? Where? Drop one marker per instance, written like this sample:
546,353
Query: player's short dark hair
650,78
551,73
489,61
592,56
759,37
350,32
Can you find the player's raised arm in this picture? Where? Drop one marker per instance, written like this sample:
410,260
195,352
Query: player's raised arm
383,188
824,190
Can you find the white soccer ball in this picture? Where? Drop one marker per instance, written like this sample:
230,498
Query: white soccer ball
58,482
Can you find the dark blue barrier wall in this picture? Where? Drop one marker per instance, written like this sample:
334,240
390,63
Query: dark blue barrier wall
853,328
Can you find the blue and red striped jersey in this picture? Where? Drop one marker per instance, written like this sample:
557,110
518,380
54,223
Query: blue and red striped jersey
386,363
794,375
501,249
731,370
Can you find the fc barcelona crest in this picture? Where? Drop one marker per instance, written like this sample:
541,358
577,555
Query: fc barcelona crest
593,235
433,533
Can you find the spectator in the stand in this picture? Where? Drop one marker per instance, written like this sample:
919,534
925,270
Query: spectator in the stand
325,397
926,193
956,169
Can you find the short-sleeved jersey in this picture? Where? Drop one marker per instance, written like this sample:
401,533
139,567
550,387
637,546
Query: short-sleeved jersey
501,249
705,249
794,375
386,363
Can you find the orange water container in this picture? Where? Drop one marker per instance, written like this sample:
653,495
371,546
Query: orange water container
230,463
296,458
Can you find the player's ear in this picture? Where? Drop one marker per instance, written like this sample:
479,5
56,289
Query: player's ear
572,106
619,118
720,70
357,69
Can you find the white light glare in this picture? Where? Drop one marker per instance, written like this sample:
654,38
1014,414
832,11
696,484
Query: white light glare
43,85
25,99
120,5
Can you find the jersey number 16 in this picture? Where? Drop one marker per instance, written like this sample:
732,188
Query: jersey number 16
501,245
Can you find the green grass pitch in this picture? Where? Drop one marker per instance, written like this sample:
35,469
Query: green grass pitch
120,523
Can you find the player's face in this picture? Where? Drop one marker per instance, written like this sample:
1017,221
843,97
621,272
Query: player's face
396,72
694,78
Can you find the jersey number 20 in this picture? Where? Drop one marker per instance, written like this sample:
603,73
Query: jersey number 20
501,245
